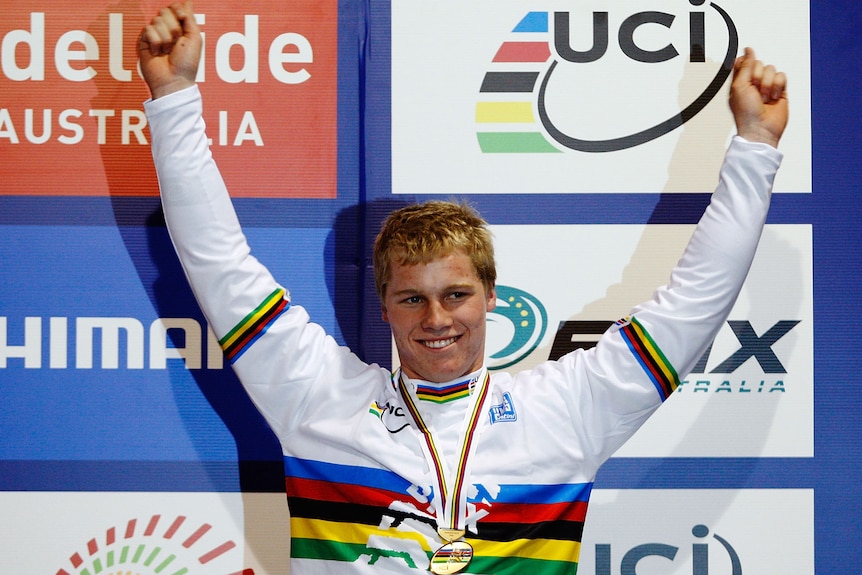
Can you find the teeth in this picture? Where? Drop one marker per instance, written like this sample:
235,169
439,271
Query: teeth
439,343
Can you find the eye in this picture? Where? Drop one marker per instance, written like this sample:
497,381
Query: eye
415,299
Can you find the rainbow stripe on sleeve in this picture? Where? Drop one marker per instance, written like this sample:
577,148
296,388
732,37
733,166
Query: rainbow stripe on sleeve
245,333
651,358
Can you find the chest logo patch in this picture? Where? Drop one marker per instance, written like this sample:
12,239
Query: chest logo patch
505,411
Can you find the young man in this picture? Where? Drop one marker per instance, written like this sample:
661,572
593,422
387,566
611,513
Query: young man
440,466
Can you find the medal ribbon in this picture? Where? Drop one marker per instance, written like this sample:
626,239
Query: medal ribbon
451,502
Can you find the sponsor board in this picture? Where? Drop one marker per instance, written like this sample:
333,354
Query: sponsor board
589,97
750,395
698,532
80,533
71,98
104,354
647,532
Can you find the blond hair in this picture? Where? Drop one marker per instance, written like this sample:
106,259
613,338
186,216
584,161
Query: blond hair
423,232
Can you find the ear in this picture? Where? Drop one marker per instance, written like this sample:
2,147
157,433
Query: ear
491,302
383,313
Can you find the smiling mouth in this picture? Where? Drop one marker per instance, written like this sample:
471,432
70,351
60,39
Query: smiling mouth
439,343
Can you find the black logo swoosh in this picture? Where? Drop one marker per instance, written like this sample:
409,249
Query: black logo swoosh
615,144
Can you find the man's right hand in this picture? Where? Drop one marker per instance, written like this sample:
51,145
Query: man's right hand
170,50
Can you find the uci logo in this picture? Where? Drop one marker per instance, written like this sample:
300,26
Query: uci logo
700,558
562,60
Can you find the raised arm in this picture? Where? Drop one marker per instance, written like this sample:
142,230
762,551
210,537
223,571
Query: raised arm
684,316
277,353
641,360
227,281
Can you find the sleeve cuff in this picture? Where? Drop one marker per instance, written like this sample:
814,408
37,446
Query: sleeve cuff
765,150
174,100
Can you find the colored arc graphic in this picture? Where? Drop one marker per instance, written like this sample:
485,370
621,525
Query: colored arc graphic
615,144
153,546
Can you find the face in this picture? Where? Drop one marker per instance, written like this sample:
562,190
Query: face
437,315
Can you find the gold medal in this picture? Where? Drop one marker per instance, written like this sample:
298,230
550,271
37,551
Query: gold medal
451,558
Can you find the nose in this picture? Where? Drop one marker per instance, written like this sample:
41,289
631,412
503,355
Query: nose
437,317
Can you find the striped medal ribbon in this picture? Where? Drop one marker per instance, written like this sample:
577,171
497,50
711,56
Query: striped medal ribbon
455,554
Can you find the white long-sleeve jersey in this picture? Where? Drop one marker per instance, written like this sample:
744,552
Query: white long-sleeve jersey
362,495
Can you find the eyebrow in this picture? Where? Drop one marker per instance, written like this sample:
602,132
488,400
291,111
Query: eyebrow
449,288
